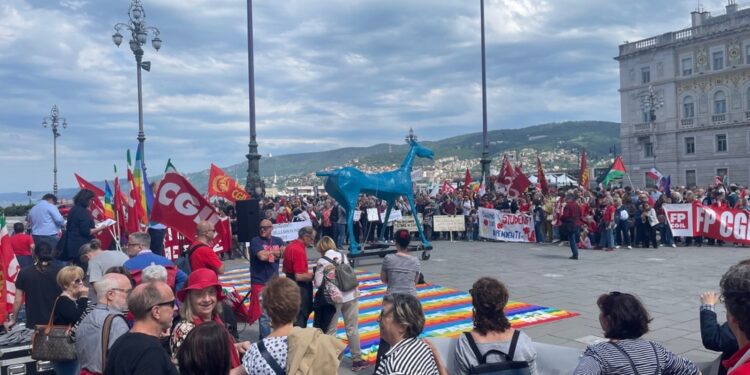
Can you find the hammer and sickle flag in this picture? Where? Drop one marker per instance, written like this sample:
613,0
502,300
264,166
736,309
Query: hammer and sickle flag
219,184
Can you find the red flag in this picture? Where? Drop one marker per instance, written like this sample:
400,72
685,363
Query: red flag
220,184
9,271
505,179
520,183
467,179
540,177
180,205
120,203
584,171
83,184
447,187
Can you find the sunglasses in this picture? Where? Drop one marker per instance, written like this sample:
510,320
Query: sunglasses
126,291
167,303
78,281
267,227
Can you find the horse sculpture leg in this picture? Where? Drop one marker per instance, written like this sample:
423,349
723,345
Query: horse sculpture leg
384,227
353,244
426,243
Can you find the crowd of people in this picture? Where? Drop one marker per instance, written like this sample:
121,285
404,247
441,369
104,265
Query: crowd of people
136,312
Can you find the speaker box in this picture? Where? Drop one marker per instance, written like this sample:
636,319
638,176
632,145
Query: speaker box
248,219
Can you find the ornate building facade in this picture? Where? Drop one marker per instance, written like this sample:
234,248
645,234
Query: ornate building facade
685,101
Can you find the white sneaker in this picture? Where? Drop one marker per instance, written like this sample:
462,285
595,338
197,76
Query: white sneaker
617,247
630,247
673,245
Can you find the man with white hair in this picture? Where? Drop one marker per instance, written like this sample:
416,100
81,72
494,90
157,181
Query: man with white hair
154,272
112,289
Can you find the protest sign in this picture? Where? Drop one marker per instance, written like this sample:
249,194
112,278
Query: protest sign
504,226
372,214
407,222
289,231
395,216
680,218
446,223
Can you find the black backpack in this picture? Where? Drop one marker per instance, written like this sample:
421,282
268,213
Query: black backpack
507,367
183,261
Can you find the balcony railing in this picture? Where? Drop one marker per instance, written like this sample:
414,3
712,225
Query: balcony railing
718,119
642,128
687,122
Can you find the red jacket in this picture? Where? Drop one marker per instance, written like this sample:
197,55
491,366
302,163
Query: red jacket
572,213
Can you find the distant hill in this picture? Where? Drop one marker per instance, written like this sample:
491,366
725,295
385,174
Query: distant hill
596,136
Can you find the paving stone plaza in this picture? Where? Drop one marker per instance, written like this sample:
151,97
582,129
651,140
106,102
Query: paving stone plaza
668,280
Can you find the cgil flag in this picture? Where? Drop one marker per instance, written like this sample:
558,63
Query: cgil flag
505,178
222,185
617,170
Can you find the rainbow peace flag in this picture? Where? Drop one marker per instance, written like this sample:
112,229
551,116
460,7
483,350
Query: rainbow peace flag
109,207
447,311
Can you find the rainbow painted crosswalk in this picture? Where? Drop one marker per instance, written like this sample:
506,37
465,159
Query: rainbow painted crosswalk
447,311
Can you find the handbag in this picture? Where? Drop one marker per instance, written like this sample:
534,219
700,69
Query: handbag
53,342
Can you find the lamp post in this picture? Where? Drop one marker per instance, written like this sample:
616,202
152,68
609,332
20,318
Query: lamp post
253,184
651,102
138,36
485,161
54,121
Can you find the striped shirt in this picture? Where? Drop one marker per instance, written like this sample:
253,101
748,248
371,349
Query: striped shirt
409,357
606,358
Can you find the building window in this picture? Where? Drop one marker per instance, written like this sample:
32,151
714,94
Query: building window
645,75
747,100
690,178
689,145
646,117
721,172
648,150
747,54
721,143
720,103
718,60
688,107
687,66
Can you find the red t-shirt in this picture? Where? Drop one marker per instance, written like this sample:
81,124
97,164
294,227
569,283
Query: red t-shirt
295,258
608,212
204,257
21,243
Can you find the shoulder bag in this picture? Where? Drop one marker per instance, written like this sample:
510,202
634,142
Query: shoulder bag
269,359
53,342
506,367
106,327
632,364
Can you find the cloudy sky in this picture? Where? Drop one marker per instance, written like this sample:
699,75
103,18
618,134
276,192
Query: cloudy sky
329,73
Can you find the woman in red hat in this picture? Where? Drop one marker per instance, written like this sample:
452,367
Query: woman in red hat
200,304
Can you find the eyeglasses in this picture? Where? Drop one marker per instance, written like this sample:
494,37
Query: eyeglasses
167,303
266,227
133,244
77,281
383,314
126,291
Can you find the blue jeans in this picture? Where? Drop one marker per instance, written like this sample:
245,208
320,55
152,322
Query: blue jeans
666,234
538,232
264,326
66,368
623,233
607,238
574,241
340,235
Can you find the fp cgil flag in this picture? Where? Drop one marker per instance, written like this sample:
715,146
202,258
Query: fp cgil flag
178,204
219,184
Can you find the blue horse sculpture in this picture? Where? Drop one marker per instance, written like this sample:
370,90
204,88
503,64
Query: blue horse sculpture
345,185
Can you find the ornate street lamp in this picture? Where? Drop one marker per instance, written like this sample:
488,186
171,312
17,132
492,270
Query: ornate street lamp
54,120
485,161
138,36
651,102
254,184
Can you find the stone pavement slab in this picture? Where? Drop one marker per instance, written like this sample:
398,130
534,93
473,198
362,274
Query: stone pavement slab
668,280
